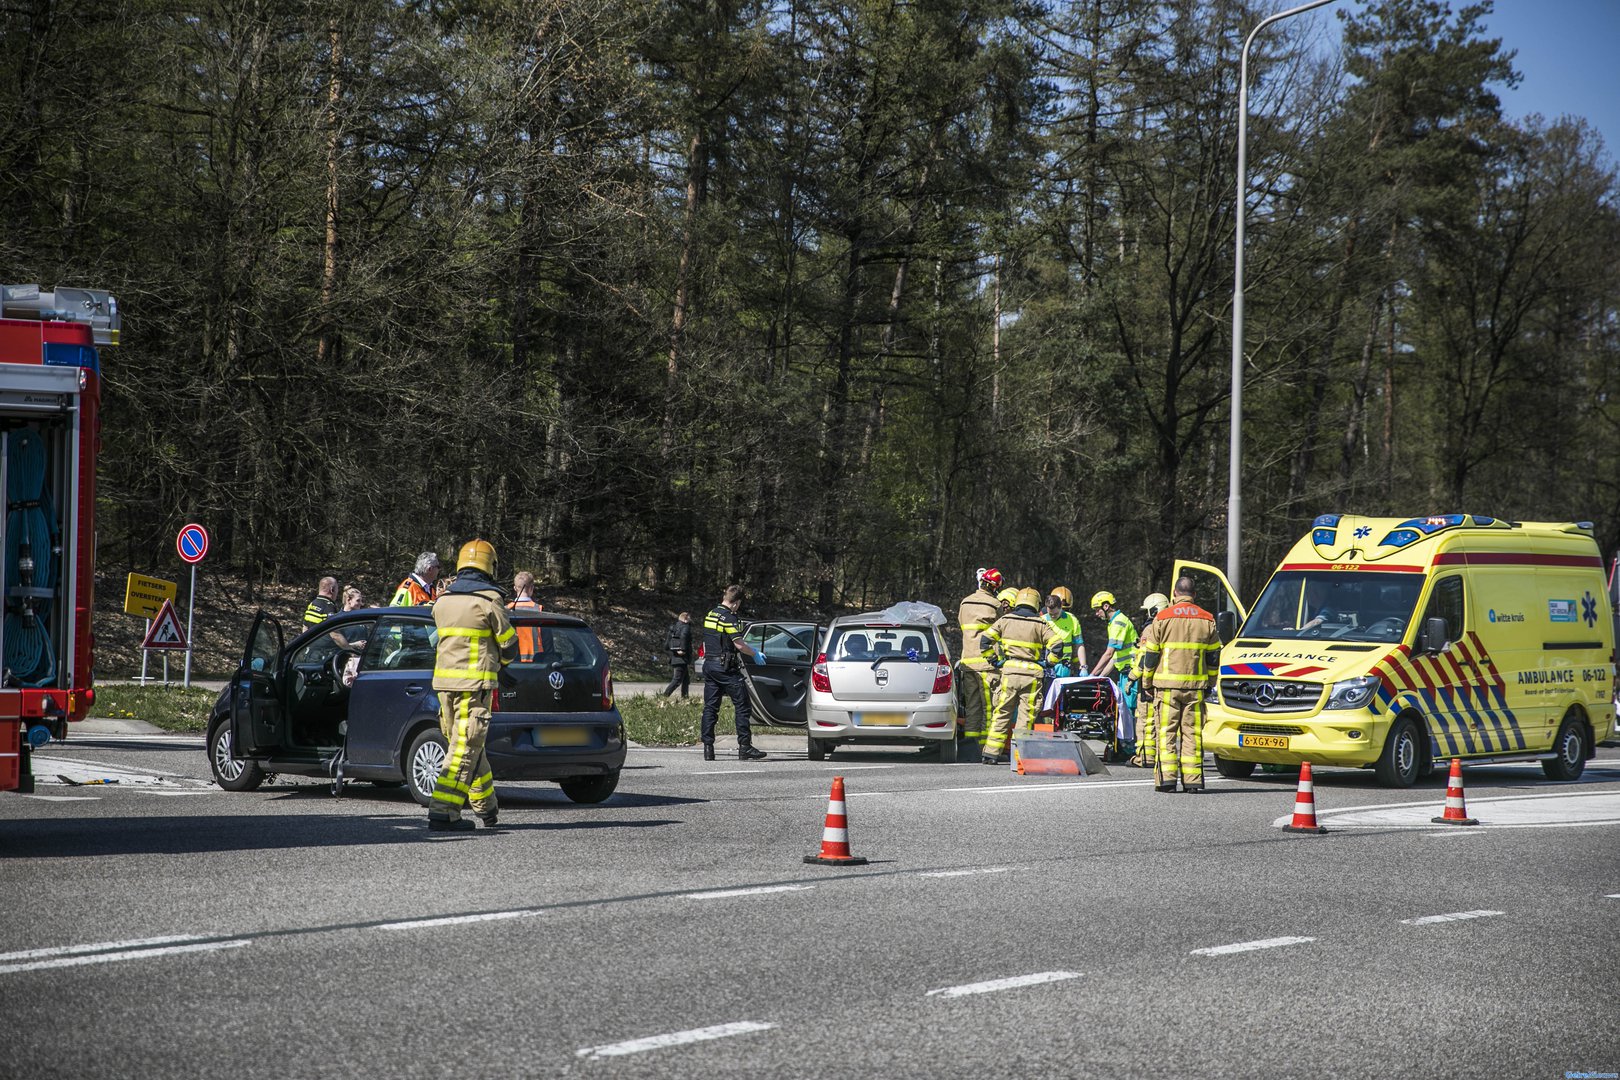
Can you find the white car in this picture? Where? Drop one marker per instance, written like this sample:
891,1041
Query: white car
878,681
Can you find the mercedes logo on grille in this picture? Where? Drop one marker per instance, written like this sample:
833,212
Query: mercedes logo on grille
1265,695
556,680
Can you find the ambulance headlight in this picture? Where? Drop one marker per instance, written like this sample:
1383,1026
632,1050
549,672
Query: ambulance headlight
1352,693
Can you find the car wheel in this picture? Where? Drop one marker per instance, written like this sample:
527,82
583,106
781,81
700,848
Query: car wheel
947,749
423,763
816,750
1234,770
590,789
1402,757
1570,748
231,772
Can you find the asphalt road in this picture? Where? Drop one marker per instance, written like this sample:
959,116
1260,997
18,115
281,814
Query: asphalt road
1005,926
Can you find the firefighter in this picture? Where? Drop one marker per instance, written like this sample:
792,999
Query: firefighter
723,645
476,640
976,680
417,588
1146,738
1005,599
1181,654
1017,644
1116,661
1071,656
325,603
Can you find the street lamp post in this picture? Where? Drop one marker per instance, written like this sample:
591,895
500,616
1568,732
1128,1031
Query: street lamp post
1234,480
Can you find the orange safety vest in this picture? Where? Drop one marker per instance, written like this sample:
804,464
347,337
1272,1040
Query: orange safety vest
530,642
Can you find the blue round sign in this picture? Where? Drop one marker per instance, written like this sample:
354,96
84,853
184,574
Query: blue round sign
192,543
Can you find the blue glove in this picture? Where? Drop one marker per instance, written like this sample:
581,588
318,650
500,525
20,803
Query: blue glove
759,658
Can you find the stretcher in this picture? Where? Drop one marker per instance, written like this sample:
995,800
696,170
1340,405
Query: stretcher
1091,708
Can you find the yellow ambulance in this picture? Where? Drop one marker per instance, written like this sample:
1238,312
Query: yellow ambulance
1398,645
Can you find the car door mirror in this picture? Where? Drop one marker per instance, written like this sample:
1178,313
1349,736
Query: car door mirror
1433,638
1226,624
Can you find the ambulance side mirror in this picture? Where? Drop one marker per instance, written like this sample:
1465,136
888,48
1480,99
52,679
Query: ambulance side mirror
1433,639
1226,625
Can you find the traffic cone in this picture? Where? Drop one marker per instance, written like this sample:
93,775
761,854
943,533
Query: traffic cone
835,834
1304,804
1456,811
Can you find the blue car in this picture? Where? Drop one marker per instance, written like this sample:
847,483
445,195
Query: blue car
353,698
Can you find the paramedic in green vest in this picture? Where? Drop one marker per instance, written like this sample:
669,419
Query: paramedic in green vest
1071,655
1118,660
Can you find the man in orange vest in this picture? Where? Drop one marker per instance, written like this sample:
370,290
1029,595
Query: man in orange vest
530,644
417,588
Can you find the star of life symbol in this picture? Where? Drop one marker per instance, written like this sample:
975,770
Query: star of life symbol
1363,531
1589,609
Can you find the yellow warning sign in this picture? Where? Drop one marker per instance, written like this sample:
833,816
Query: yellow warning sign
144,595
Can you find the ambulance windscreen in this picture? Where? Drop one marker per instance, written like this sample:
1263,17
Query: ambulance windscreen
1338,605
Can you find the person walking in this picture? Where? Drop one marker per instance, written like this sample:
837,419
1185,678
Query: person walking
1019,643
976,680
1147,739
530,640
1181,655
417,588
678,643
325,603
476,640
722,674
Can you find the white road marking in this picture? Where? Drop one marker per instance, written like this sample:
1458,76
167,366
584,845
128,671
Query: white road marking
156,791
728,772
1559,809
674,1038
457,920
852,768
965,873
1250,946
717,894
1612,896
78,763
1455,916
65,798
130,954
100,946
994,985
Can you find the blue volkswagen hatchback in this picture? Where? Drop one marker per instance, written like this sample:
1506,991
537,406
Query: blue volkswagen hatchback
352,698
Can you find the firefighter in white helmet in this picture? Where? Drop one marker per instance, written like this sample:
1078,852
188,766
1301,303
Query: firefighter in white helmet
1146,739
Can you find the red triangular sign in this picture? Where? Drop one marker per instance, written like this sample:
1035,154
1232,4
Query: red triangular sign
166,631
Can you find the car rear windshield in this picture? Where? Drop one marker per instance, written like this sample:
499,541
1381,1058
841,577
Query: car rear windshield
563,647
856,643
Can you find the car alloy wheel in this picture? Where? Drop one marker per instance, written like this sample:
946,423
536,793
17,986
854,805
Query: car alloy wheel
228,766
425,766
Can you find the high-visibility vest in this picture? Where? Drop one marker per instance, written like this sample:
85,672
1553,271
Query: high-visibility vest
412,592
1122,639
319,610
529,640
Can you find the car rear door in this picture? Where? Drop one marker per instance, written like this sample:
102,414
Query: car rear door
883,662
258,716
394,687
779,688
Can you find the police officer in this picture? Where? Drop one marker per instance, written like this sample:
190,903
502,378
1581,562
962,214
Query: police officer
1117,660
325,603
1018,644
1181,654
1147,738
722,674
476,640
975,678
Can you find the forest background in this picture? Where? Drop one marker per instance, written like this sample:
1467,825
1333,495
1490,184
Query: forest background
839,300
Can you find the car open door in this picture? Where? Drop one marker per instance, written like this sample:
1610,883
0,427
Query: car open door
1213,592
258,719
779,687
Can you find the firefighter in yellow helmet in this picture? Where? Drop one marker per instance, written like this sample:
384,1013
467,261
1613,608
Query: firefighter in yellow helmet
1006,598
1181,656
976,680
476,640
1018,644
1146,738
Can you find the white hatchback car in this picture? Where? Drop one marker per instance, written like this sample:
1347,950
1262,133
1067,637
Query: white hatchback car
877,681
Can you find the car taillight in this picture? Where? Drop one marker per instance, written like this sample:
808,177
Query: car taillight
942,676
607,687
495,700
818,675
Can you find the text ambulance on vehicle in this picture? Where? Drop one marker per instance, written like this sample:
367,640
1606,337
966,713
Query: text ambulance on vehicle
1398,645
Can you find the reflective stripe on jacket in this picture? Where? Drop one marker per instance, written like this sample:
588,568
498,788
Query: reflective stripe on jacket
476,640
319,609
1122,639
720,634
1069,626
1021,641
412,592
1180,649
976,614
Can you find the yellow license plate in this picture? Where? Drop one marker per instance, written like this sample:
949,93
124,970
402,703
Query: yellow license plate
882,719
564,736
1268,742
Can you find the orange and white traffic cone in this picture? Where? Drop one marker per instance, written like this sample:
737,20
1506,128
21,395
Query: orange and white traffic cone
1304,804
835,834
1456,810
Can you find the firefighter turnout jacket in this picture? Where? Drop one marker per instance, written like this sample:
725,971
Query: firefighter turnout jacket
1020,641
1180,648
976,614
476,639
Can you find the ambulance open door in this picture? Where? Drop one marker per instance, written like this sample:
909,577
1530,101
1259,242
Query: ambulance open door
1214,593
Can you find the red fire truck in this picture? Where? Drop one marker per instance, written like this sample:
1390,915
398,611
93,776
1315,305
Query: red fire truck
50,425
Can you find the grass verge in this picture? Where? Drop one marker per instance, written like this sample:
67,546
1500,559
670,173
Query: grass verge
657,721
172,708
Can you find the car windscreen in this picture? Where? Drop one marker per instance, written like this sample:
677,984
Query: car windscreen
854,643
1341,605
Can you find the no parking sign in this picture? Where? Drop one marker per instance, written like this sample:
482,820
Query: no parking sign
192,543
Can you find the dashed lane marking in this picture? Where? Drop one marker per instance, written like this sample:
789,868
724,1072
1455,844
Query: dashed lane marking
65,798
1455,916
994,985
716,894
965,873
99,946
674,1038
126,954
1250,946
458,920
